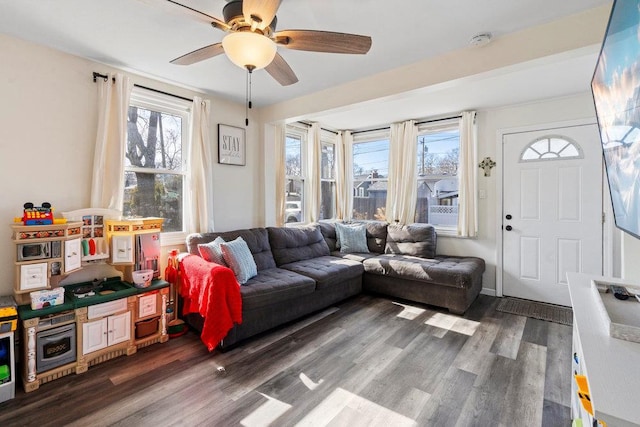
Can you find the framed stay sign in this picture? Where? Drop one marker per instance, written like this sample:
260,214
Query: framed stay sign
231,145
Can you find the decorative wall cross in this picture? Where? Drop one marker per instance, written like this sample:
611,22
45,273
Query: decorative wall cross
487,164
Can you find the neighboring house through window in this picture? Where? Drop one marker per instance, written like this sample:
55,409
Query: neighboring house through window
370,175
438,150
438,158
155,167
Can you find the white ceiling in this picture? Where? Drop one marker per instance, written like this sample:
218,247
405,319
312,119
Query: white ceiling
143,36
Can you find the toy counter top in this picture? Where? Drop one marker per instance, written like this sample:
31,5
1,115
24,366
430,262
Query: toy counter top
25,312
70,303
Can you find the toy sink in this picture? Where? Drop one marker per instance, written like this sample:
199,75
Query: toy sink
98,291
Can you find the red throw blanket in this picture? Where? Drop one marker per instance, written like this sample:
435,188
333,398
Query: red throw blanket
212,291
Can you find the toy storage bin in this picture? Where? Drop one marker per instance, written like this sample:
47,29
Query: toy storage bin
7,367
147,327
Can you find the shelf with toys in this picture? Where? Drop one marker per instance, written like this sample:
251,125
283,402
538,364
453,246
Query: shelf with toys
94,243
46,249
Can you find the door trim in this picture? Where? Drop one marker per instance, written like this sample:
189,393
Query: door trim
500,136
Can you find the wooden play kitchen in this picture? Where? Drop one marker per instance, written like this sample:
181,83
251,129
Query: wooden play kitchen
67,327
117,319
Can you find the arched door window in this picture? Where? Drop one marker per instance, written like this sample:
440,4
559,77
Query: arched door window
551,148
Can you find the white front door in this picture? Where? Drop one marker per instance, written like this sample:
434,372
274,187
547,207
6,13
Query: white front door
552,211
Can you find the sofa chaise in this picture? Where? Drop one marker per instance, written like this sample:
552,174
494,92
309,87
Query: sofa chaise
301,270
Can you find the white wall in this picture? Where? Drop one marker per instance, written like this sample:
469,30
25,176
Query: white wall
47,132
630,258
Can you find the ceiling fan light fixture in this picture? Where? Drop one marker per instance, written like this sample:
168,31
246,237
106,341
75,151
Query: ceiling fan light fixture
248,49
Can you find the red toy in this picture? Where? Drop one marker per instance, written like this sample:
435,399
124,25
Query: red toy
37,215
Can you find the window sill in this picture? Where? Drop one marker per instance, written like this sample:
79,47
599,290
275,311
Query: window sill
173,239
446,232
451,233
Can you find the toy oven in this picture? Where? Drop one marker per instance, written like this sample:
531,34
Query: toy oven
56,345
39,250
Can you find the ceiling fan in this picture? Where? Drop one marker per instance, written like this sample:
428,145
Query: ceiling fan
252,39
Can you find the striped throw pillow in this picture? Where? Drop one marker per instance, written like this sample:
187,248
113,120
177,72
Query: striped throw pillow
239,258
212,252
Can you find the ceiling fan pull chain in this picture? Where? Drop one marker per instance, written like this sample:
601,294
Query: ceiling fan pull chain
246,98
250,86
250,69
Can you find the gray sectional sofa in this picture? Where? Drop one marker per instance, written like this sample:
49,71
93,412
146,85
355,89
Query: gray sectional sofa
302,270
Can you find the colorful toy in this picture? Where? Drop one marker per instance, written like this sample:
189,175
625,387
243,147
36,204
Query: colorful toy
38,215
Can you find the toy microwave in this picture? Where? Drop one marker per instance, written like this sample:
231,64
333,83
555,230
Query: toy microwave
39,250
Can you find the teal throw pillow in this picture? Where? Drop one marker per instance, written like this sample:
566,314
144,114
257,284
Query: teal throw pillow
239,258
212,252
353,238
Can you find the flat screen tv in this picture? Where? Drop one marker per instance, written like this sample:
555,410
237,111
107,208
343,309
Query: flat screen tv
616,94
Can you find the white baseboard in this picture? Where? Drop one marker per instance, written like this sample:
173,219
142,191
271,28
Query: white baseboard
488,291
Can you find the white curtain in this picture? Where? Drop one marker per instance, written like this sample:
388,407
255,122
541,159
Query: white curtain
344,175
199,189
280,136
314,160
402,184
340,178
107,185
468,173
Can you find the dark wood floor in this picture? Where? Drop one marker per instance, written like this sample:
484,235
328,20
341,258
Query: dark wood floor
368,361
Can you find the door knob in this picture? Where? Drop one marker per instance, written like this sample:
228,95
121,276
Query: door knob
508,216
509,228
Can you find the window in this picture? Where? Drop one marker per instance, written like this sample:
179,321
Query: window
370,173
438,158
328,180
551,148
294,176
155,168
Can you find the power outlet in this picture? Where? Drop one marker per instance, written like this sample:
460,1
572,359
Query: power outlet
482,194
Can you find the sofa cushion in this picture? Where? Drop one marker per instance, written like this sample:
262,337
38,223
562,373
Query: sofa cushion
328,230
256,238
238,257
327,271
212,252
354,257
414,239
459,272
274,285
376,235
352,237
291,244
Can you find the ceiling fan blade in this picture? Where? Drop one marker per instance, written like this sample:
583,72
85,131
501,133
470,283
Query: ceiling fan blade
323,41
261,12
281,71
174,6
199,55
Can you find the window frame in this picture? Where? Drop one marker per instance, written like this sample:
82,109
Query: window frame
295,132
364,138
432,126
329,139
150,100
